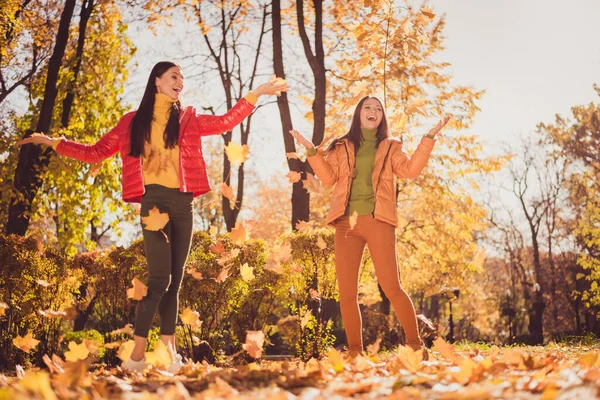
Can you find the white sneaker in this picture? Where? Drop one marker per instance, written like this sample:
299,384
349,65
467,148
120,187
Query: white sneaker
176,363
134,366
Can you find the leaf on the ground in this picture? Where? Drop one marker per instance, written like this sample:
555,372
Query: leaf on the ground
160,357
321,243
125,350
3,308
513,357
247,272
37,383
237,153
311,183
127,329
305,319
195,274
254,343
52,313
373,348
26,343
42,282
353,219
409,359
334,359
227,192
217,248
446,350
293,176
52,365
76,352
223,275
191,318
155,221
590,359
137,291
239,234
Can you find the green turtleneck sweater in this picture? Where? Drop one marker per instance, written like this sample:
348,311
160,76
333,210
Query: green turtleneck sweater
362,197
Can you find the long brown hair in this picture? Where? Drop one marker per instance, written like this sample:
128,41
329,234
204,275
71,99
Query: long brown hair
355,135
142,120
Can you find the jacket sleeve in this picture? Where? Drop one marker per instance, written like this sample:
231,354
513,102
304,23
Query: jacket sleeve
217,124
326,165
106,147
404,166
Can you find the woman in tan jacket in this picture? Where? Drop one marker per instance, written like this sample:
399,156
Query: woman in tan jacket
362,165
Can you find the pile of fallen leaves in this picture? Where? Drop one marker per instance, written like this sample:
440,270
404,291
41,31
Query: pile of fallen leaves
551,372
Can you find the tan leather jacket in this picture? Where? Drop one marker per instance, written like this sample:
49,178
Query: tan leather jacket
336,167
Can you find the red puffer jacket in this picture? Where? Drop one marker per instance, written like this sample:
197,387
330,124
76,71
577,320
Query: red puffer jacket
192,167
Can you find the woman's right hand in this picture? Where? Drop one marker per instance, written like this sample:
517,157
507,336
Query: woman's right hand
301,139
36,138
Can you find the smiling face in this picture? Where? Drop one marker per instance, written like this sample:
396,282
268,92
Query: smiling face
371,114
170,83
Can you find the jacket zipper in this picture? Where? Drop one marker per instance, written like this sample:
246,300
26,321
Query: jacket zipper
379,178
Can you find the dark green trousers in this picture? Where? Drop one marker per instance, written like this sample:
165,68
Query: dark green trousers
165,260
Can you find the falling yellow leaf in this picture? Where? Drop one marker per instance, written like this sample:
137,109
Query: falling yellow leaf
55,365
191,318
353,219
37,384
195,274
321,243
3,307
237,153
92,346
213,231
227,258
155,220
277,81
223,275
217,248
239,235
305,319
127,329
280,253
296,267
112,345
446,350
427,12
409,359
227,192
247,272
125,350
52,313
160,357
42,282
76,352
254,343
302,226
373,348
26,343
138,291
311,183
293,176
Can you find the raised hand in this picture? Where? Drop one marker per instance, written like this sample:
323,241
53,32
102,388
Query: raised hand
274,86
301,139
36,138
436,129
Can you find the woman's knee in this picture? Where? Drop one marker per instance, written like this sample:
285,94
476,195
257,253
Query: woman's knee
158,286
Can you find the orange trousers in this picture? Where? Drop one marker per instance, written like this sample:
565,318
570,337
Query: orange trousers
349,246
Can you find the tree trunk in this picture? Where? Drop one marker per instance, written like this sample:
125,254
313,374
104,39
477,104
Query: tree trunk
32,159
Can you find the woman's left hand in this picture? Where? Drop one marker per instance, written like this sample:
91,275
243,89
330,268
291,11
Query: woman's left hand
274,86
436,129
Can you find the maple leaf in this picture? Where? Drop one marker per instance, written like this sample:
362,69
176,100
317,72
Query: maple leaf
223,275
191,318
42,282
302,226
227,192
155,221
334,358
217,248
239,235
293,176
446,350
76,352
278,81
254,343
237,153
280,253
160,357
321,243
409,359
373,348
296,267
3,307
52,364
112,345
38,384
195,274
138,291
92,346
353,219
305,319
26,343
247,272
311,183
125,350
127,329
426,11
416,107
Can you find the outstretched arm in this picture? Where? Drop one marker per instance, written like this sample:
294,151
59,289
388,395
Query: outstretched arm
325,166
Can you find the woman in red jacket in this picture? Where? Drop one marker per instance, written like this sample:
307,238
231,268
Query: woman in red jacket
163,167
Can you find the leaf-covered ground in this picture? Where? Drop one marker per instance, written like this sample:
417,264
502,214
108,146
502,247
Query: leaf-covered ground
551,372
